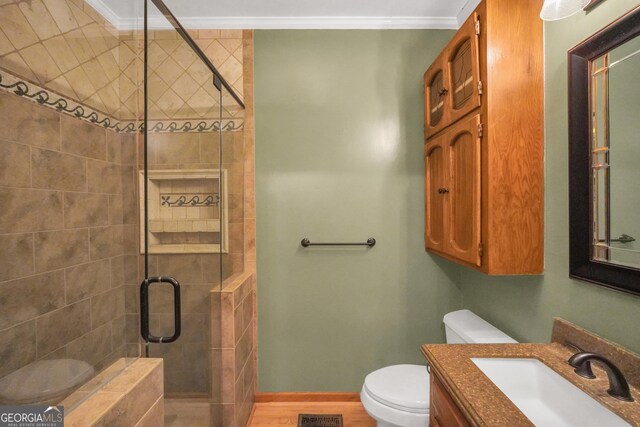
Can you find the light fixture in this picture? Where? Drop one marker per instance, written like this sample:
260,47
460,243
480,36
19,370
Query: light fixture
552,10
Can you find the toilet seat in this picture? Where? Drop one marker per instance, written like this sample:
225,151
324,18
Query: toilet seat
402,387
397,396
44,381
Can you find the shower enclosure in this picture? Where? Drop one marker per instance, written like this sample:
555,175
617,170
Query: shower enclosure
122,194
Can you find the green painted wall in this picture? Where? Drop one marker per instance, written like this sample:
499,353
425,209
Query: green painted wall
525,306
338,158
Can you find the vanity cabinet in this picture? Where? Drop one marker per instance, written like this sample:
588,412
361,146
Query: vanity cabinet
484,142
443,410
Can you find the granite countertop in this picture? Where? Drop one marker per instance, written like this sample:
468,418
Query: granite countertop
483,404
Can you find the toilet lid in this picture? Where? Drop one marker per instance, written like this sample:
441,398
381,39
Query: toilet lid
403,387
44,380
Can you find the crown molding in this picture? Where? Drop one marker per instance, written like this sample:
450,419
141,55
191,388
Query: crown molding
281,22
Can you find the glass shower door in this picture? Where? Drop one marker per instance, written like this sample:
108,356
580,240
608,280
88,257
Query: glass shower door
182,210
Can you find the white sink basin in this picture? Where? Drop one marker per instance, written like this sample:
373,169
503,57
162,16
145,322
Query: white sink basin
545,397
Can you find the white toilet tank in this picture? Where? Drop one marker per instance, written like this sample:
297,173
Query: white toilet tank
464,327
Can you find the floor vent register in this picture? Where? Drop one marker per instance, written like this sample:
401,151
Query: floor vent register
321,420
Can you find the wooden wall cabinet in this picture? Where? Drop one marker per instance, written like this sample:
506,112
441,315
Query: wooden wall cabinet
452,83
484,142
443,411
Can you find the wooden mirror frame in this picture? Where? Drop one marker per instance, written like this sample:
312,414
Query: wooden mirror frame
582,266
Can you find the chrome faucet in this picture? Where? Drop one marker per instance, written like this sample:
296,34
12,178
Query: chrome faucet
618,386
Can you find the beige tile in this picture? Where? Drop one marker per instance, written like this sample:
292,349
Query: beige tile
62,53
106,242
16,27
81,18
170,103
184,413
228,375
104,177
56,171
186,268
87,280
96,38
129,195
15,167
28,123
169,71
97,76
89,412
91,347
114,146
115,209
243,350
185,86
16,256
62,326
62,14
62,86
118,332
83,139
14,63
129,149
175,148
117,271
23,210
154,416
142,395
5,44
79,45
17,347
59,249
40,19
40,62
85,210
231,70
107,306
231,34
227,321
24,299
81,84
184,56
131,269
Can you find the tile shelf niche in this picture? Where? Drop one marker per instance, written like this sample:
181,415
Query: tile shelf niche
184,211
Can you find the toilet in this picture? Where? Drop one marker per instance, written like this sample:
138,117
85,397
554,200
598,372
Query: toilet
398,395
44,381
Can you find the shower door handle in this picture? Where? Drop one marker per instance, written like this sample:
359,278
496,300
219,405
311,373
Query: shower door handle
144,309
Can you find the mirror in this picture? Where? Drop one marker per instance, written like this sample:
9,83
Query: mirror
604,162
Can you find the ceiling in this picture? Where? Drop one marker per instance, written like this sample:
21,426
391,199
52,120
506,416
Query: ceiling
223,14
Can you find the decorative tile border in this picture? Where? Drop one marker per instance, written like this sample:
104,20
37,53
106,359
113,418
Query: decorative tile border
42,96
12,84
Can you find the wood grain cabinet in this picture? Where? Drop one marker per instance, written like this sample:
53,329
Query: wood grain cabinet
443,410
452,183
484,146
452,83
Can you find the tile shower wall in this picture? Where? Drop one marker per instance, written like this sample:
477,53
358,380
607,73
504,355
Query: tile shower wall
66,236
69,48
188,366
182,85
234,351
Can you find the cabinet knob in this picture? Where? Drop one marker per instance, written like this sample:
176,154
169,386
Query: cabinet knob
443,92
443,190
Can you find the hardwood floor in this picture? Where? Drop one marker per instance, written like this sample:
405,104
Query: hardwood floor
285,414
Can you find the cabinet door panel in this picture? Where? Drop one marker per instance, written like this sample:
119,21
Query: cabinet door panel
436,115
435,176
463,70
463,148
